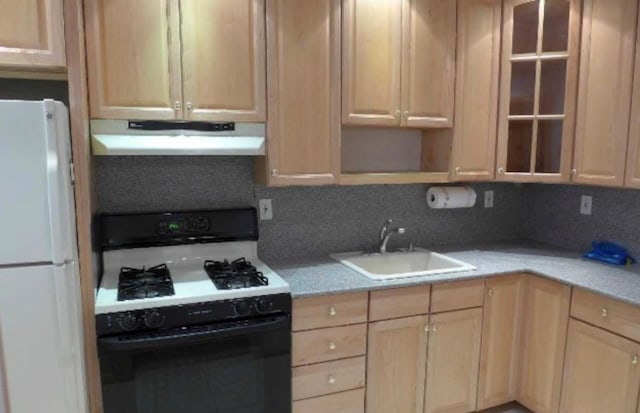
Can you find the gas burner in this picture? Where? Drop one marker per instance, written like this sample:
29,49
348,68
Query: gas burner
235,274
139,283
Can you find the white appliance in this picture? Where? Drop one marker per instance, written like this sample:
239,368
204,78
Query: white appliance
41,359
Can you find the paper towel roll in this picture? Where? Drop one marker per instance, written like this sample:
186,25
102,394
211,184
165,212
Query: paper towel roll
448,197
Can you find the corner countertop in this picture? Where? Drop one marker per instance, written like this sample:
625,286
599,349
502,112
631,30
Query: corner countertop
314,276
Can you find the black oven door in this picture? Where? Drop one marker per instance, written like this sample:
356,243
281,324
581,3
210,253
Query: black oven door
235,367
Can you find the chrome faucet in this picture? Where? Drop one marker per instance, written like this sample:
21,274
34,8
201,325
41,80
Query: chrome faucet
385,233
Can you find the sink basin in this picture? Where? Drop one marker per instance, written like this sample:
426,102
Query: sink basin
401,264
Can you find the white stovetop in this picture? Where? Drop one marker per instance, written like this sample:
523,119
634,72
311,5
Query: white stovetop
190,282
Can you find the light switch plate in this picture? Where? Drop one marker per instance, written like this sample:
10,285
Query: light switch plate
266,210
585,204
488,199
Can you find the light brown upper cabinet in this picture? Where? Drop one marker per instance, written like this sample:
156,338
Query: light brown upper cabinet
171,59
303,54
477,67
538,90
633,152
32,35
544,333
601,372
606,70
398,61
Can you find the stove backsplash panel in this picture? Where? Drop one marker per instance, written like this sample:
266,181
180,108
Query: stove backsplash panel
307,220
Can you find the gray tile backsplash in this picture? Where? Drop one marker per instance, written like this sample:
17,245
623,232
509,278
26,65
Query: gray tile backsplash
552,215
307,220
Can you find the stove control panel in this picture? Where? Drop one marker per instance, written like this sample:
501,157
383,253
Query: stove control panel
186,225
164,318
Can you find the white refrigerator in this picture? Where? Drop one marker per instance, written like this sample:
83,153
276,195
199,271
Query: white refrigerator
41,352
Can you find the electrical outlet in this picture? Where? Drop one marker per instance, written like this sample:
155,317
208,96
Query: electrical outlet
585,204
266,210
488,199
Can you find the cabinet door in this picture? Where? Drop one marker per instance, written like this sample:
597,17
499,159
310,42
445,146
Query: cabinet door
477,68
371,62
223,59
606,70
452,361
303,43
539,76
544,332
31,34
133,59
428,62
633,158
601,372
396,365
500,341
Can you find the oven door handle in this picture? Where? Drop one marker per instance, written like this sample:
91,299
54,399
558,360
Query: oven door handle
189,336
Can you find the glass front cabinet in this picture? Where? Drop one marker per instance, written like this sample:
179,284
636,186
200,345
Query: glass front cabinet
541,42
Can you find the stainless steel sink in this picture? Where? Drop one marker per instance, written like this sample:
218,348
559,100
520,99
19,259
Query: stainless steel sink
401,264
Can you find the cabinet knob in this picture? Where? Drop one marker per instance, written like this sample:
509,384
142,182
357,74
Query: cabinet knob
458,170
406,114
189,106
501,171
332,311
332,380
332,346
634,359
604,313
426,328
274,172
490,292
574,172
434,329
178,105
397,114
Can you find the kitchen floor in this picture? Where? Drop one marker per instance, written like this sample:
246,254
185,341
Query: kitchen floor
508,408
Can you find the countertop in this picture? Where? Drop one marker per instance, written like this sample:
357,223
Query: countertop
323,275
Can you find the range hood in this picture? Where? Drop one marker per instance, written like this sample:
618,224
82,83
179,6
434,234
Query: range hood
129,138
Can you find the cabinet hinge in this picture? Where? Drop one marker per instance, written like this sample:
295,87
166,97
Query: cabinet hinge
72,173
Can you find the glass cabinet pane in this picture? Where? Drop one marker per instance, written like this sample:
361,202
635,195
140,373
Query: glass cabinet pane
553,78
519,147
523,85
555,35
549,147
525,27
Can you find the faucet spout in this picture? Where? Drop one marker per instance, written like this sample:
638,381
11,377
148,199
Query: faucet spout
385,233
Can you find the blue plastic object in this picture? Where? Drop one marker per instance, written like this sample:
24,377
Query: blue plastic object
610,253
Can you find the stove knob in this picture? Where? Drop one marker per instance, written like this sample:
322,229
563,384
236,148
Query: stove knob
129,322
263,306
241,308
153,319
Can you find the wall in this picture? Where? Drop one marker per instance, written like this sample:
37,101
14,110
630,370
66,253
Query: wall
551,215
307,220
28,89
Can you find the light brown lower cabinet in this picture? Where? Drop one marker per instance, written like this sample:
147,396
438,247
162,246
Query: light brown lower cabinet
500,341
345,402
544,333
396,361
601,372
452,361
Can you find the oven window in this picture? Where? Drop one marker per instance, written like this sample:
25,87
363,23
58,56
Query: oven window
245,374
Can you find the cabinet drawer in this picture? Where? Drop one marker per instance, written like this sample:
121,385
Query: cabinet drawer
346,402
326,378
316,346
457,295
399,302
329,311
607,313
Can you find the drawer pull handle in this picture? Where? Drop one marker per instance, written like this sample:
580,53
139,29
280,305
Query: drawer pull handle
604,313
332,380
332,346
634,359
490,292
332,311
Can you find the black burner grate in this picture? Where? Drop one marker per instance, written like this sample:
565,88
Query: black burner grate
139,283
235,274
